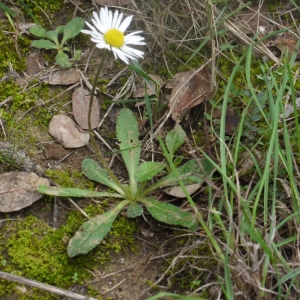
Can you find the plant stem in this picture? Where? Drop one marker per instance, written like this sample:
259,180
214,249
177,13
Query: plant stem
93,141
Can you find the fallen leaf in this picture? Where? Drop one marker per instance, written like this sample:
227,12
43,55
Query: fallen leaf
140,89
55,151
64,77
231,122
34,62
176,191
65,131
19,190
80,107
190,89
112,2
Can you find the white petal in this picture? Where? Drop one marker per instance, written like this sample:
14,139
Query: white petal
134,40
110,18
86,31
122,56
115,19
97,19
89,25
98,24
104,18
132,51
119,21
103,46
133,33
125,24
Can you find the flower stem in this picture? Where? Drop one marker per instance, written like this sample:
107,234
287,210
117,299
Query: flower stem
93,141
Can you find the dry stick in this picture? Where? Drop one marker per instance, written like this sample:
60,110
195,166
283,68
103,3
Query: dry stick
43,286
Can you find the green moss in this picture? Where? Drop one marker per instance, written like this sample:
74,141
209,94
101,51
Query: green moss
32,249
8,57
39,8
70,178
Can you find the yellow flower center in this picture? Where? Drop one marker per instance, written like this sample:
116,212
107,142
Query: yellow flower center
114,38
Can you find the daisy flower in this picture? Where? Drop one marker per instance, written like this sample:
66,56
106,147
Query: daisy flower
108,33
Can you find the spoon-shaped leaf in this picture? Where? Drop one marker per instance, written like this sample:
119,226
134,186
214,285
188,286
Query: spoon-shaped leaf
134,210
72,29
127,133
74,192
43,44
63,60
148,170
170,214
92,232
174,139
38,31
93,171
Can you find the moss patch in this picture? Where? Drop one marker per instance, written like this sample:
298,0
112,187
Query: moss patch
32,249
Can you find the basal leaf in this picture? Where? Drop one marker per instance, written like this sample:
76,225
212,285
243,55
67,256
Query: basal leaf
73,192
189,173
148,170
127,133
72,29
53,35
93,171
59,29
38,31
174,139
43,44
134,210
170,214
92,232
63,60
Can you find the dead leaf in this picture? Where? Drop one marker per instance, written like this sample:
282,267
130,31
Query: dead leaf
65,131
286,43
64,77
80,107
140,90
176,191
190,89
231,122
34,62
18,190
55,151
112,2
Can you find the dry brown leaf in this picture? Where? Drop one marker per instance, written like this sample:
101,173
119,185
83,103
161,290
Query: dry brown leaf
80,107
189,89
231,122
34,62
55,151
19,190
176,191
64,77
65,131
140,90
112,2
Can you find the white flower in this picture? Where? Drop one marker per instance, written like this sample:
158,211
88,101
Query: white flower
108,32
262,29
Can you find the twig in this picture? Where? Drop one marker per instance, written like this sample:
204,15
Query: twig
43,286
